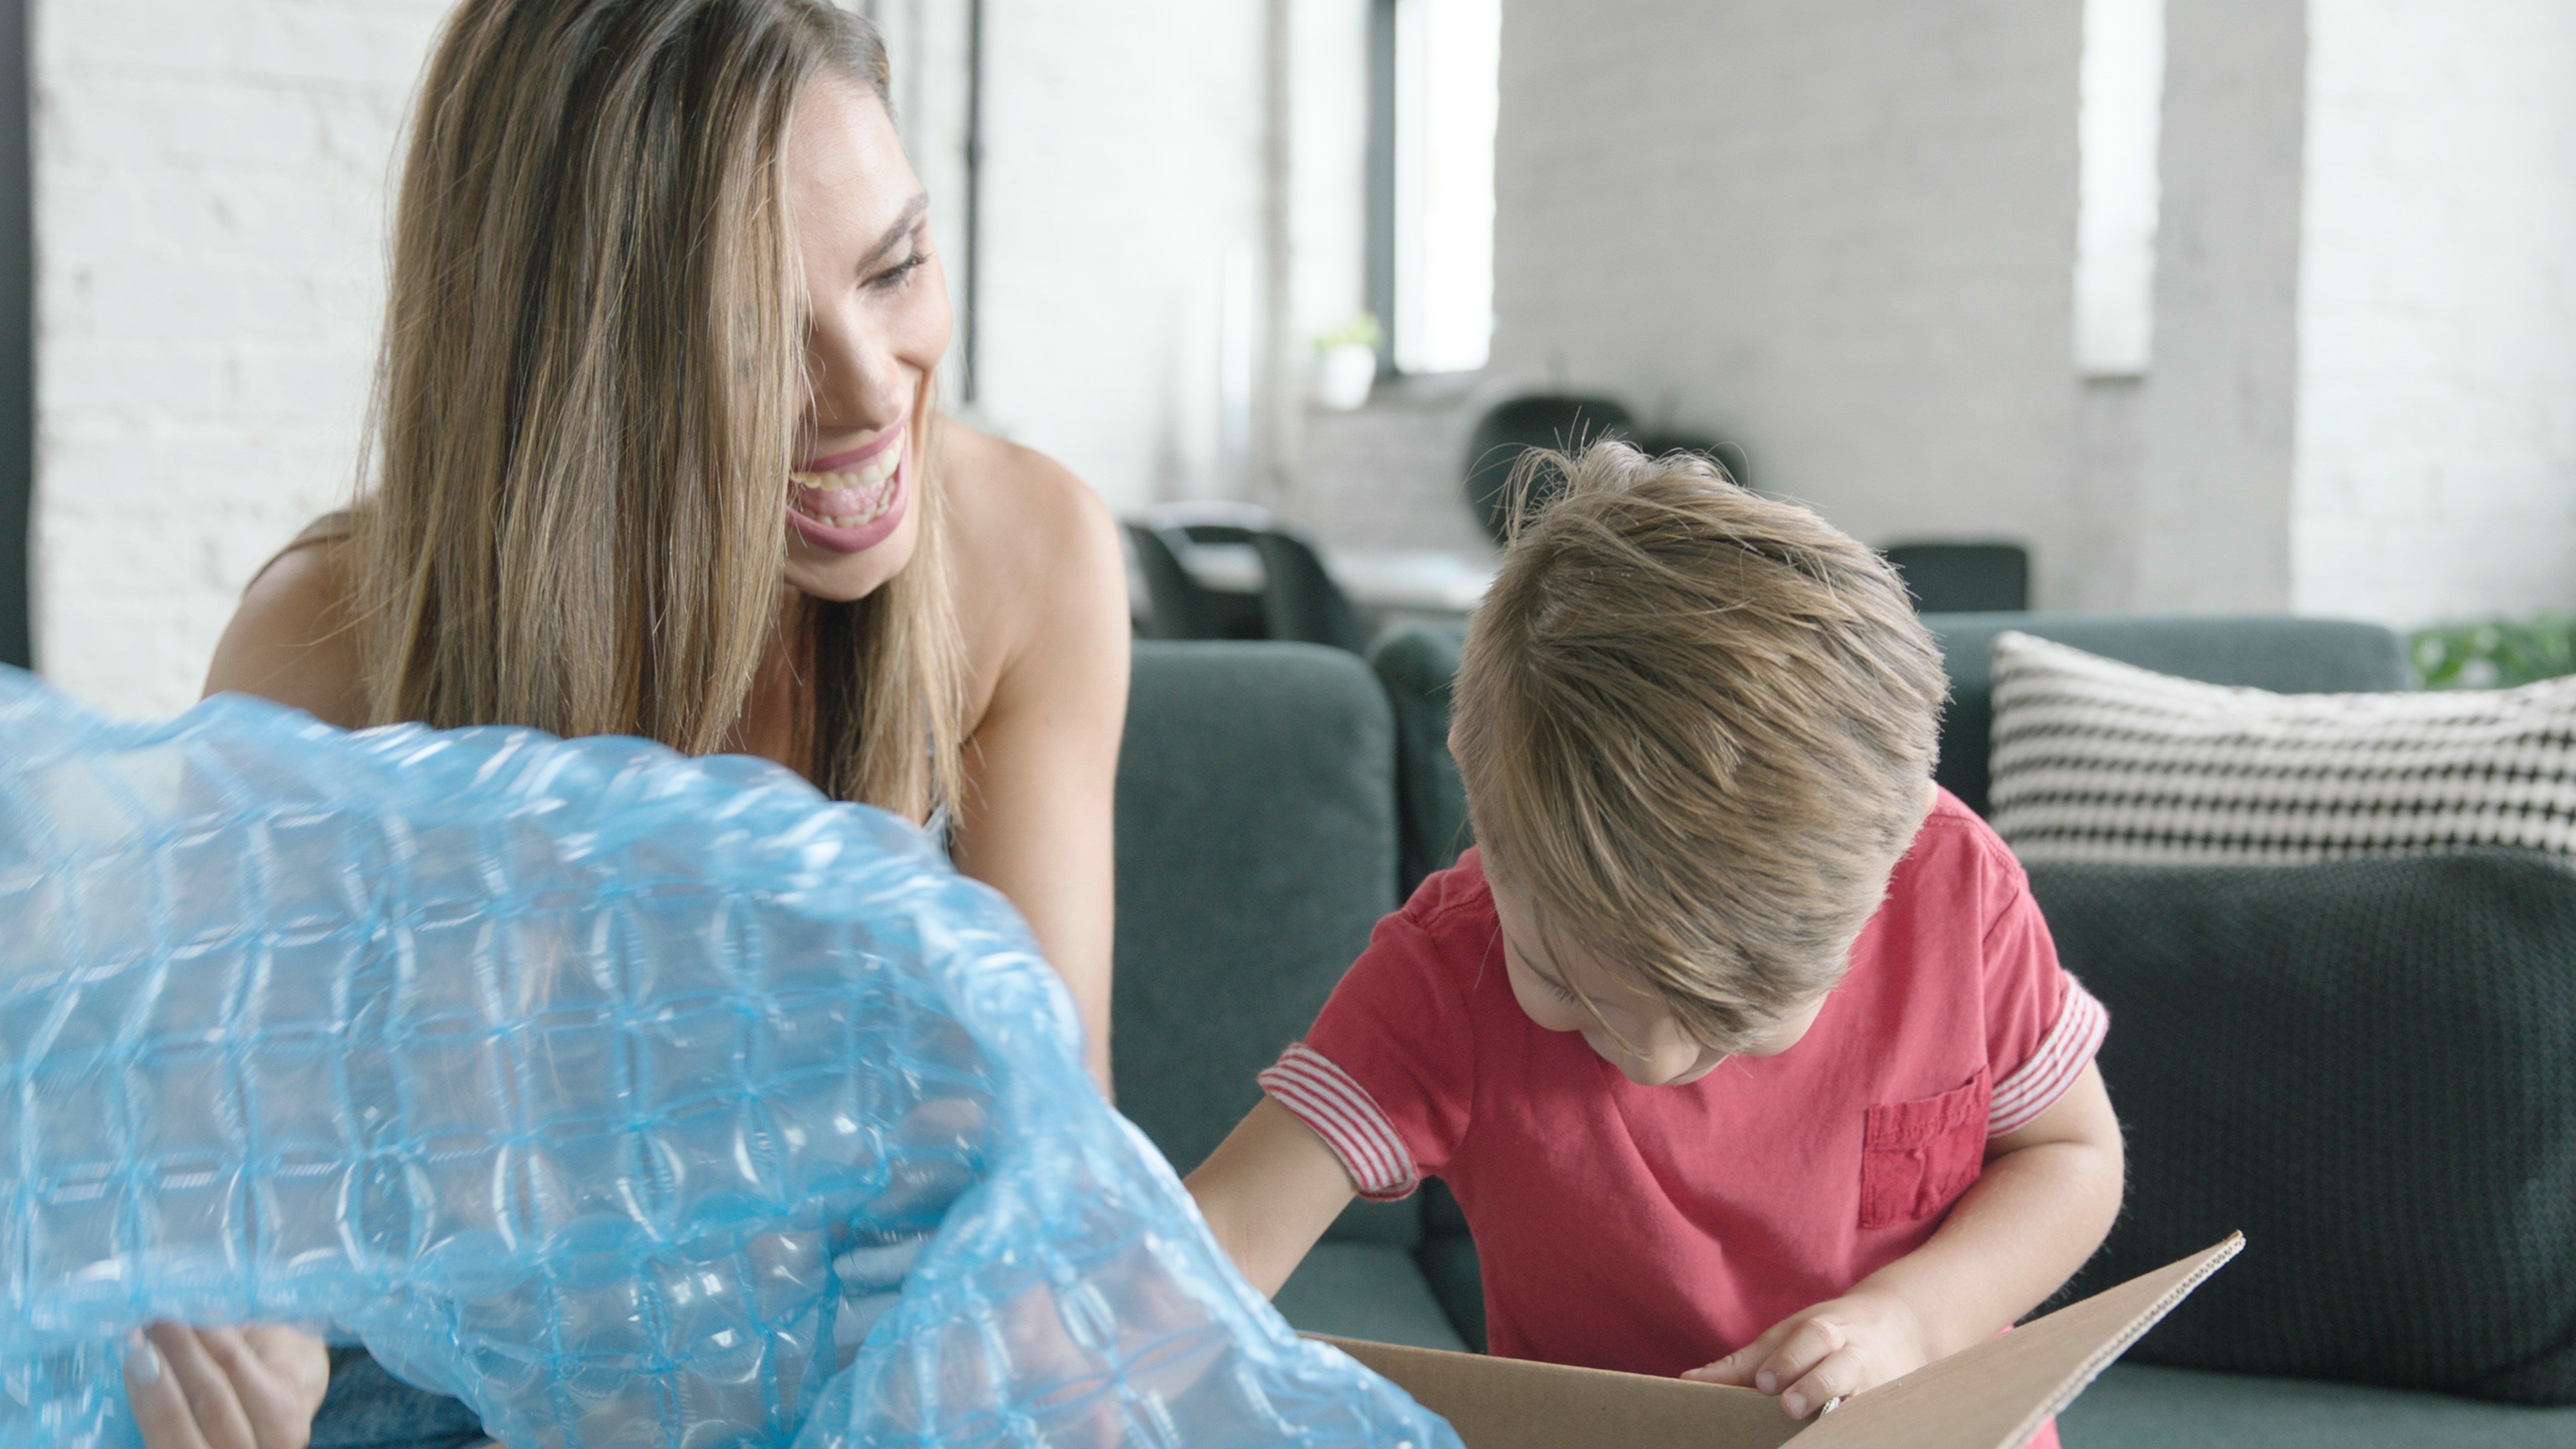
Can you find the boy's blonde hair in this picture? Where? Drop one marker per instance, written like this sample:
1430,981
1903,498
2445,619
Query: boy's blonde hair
1696,728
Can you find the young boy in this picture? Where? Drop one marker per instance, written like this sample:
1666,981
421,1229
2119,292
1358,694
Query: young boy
1744,1047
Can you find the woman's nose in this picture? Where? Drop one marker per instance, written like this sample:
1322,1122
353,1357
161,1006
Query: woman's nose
857,380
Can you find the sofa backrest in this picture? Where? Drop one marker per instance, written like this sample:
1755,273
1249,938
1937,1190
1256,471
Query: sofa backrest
2368,1066
2268,651
2287,655
1416,665
1256,850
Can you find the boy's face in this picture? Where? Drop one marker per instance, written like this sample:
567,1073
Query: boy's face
1547,971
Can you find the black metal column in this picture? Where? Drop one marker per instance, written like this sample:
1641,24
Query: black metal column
17,339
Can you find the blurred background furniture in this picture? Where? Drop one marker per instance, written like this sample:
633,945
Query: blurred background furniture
1299,599
1175,605
1276,799
1233,571
1514,427
1725,453
1964,578
1201,570
1564,422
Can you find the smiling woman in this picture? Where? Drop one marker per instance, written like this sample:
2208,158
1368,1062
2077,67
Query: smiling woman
656,451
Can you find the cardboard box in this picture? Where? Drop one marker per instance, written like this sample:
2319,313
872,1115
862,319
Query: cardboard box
1993,1396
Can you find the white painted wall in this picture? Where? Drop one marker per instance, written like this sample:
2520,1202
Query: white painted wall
2185,473
1121,178
1124,329
1841,231
2436,473
209,199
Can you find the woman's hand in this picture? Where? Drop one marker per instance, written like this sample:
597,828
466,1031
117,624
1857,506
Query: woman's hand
225,1388
1831,1351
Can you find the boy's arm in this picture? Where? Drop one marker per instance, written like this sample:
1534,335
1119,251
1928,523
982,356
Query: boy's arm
2045,1202
1269,1191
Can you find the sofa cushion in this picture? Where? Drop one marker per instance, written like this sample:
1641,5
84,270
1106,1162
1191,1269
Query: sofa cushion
1366,1290
1256,849
2290,656
1416,666
2275,652
2369,1066
2135,1406
2099,760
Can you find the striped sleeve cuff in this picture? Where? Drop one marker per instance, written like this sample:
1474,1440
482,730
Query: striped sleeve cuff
1340,1111
2036,1084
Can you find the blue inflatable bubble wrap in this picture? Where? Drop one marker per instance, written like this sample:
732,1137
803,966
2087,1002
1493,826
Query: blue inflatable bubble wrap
634,1100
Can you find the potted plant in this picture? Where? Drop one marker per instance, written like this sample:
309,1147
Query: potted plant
2496,654
1346,362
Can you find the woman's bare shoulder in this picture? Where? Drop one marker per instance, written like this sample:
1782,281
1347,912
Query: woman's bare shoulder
1016,505
1035,551
291,639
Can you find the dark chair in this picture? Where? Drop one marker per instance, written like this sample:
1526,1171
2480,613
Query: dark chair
1182,607
1964,578
1299,600
1510,429
1725,454
1176,606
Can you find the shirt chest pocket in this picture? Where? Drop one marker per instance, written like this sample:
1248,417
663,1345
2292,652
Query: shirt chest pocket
1917,1157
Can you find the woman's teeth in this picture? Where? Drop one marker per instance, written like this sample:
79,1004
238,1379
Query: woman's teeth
852,499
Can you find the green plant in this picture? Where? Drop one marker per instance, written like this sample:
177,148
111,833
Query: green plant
1359,329
2497,654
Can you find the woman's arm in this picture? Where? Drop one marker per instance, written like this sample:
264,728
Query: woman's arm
1042,587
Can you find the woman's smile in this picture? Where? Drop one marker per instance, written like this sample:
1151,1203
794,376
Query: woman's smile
850,502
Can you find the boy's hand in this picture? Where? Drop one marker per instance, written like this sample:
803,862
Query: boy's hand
1831,1351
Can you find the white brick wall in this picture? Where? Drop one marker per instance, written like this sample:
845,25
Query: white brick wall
210,200
1841,231
209,184
2437,311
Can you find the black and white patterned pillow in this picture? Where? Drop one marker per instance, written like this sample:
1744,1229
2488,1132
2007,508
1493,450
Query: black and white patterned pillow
2095,760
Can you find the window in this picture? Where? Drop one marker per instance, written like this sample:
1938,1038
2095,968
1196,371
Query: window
1431,177
2120,115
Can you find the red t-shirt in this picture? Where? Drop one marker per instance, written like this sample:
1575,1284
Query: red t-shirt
1656,1229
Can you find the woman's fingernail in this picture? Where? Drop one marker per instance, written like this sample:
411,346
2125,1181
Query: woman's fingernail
1767,1383
1796,1404
142,1360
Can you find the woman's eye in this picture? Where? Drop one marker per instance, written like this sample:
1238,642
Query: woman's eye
900,273
1561,989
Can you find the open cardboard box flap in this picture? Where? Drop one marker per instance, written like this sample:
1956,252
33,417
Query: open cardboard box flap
1993,1396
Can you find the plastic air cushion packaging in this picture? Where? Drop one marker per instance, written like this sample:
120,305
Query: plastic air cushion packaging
635,1100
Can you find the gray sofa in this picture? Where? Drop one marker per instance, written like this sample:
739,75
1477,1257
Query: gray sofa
2411,1277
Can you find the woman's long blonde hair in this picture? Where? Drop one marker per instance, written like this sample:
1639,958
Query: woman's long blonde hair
591,389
